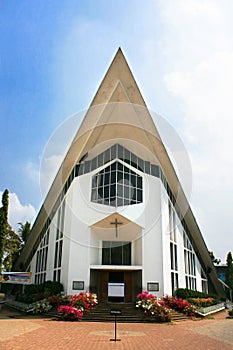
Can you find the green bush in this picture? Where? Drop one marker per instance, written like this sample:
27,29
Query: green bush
185,293
5,288
230,312
33,289
52,288
36,292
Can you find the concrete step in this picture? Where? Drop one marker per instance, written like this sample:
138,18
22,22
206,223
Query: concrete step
129,313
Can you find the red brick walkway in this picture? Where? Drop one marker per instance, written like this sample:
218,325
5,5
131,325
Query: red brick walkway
40,334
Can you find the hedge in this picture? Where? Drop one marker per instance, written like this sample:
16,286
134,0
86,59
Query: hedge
185,293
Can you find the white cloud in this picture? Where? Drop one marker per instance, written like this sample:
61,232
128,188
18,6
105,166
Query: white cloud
200,77
48,171
19,212
32,171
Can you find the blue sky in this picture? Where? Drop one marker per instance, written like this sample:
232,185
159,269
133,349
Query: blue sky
54,54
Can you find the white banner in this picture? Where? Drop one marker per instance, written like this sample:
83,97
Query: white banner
116,290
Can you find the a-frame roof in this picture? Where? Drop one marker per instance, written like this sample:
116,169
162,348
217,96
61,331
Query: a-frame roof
118,77
118,108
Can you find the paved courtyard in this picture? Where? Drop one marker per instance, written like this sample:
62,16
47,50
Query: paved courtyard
18,332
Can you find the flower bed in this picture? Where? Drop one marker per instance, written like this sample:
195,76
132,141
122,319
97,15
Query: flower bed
72,307
180,305
153,307
159,308
69,307
69,313
202,302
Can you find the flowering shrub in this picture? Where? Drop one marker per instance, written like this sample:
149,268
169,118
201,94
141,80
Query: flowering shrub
72,307
84,300
145,296
42,306
180,305
153,307
69,313
56,300
202,302
159,308
69,307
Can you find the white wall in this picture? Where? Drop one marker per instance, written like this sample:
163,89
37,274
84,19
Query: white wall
151,238
167,287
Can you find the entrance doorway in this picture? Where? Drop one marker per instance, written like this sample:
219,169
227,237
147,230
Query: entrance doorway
100,279
115,277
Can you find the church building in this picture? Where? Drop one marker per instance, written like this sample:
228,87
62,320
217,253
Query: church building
116,220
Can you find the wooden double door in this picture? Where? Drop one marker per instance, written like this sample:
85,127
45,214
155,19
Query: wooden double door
107,276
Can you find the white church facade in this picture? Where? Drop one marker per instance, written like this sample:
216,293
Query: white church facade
116,220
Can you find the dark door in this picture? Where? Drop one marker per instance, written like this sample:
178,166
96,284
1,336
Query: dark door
104,285
128,286
115,277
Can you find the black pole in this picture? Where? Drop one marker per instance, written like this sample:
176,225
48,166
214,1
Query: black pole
115,313
115,327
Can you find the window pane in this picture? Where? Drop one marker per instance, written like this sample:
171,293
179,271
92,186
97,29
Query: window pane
127,254
120,152
107,156
127,156
100,159
113,152
171,255
134,160
116,255
120,192
147,167
123,182
106,256
139,196
113,177
106,192
94,163
107,179
87,166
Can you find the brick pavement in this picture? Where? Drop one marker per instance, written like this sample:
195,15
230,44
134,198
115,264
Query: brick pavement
44,334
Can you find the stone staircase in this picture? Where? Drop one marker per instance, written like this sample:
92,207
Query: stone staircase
129,314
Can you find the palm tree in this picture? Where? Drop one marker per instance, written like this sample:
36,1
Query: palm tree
24,231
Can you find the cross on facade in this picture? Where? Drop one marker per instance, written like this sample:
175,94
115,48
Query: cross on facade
116,223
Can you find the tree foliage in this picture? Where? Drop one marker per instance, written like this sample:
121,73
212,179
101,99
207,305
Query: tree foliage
214,260
3,224
12,247
229,270
24,231
11,243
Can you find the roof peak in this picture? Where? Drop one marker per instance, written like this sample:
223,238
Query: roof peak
118,71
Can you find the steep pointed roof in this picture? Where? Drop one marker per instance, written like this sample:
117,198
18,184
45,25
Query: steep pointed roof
120,78
118,108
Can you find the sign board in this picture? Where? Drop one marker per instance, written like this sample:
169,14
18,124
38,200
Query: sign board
78,285
153,286
16,277
115,312
116,290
